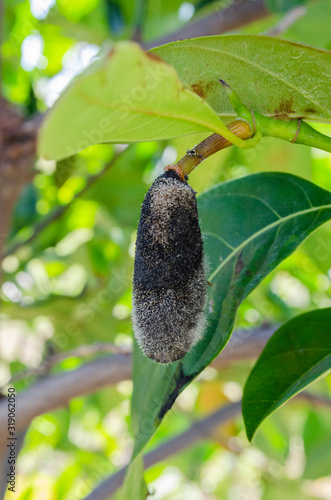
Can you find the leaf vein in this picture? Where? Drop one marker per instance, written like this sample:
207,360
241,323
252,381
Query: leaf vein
264,230
209,233
263,70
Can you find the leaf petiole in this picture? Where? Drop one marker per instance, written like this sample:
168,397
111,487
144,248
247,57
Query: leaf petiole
295,131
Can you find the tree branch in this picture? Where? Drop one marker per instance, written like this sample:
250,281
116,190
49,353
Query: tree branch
314,399
81,351
287,21
57,390
243,346
201,429
1,22
211,145
4,466
238,14
17,154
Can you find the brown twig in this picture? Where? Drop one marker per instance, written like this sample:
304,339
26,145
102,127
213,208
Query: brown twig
55,391
17,154
314,399
82,351
243,346
1,21
199,430
238,14
211,145
287,21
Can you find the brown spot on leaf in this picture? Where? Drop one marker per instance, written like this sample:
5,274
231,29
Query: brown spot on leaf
181,382
239,265
284,109
153,56
202,88
111,52
310,111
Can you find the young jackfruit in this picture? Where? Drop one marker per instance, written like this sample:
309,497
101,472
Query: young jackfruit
169,280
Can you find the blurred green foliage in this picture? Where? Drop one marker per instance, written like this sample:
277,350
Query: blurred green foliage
72,284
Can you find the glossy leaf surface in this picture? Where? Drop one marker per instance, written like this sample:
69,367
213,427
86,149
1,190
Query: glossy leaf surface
127,95
295,356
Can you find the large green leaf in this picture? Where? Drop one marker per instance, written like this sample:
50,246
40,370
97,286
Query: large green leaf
127,95
272,76
250,225
295,356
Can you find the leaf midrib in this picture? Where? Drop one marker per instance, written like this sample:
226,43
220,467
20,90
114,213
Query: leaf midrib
159,113
263,230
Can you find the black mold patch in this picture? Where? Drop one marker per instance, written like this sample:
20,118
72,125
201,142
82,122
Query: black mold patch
182,381
169,282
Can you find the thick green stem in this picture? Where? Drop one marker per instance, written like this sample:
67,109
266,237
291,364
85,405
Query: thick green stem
292,130
296,131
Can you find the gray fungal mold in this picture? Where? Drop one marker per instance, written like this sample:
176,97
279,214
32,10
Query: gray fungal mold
169,280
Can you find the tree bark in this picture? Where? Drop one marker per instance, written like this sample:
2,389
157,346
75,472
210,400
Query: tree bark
17,155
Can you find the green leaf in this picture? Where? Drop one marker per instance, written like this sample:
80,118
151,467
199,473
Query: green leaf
317,444
286,489
283,5
272,76
134,487
26,494
314,27
250,225
295,356
125,96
